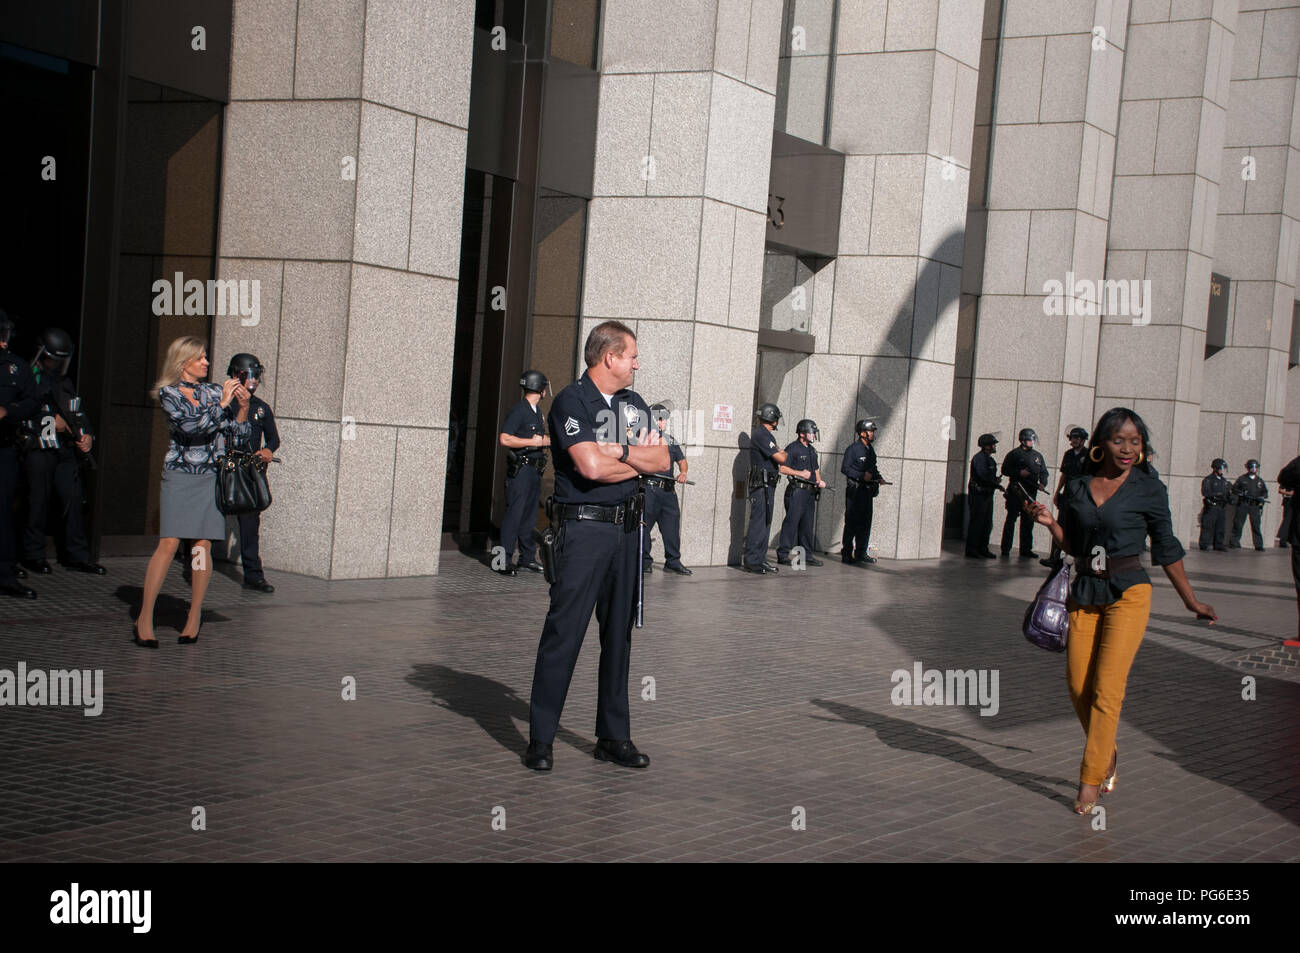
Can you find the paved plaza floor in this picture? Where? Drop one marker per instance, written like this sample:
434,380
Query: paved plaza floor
772,710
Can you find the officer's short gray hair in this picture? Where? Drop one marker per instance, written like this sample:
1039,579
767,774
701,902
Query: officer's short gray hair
604,337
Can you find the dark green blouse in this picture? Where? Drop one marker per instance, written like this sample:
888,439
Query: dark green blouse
1138,509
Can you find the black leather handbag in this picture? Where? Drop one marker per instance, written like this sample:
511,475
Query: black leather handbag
1047,619
241,484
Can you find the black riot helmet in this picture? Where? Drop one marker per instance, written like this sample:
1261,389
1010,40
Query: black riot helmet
6,327
863,425
1073,432
1252,463
55,353
245,362
661,411
1218,463
987,440
1028,434
534,382
809,427
769,413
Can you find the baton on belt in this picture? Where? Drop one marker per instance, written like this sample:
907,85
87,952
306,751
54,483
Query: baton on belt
640,568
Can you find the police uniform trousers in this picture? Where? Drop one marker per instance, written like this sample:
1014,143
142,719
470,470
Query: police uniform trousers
597,570
522,493
249,557
859,505
1244,510
981,523
1016,512
662,509
53,473
761,501
1213,519
9,469
798,523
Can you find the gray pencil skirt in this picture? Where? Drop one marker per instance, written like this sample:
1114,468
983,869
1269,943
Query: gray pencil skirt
189,506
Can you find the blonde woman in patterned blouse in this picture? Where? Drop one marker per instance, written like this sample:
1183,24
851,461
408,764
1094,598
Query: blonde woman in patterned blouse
200,418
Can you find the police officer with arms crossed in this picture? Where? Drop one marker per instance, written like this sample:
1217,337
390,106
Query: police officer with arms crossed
661,500
805,484
1071,467
1026,466
55,434
261,421
605,442
17,402
1214,491
1251,492
765,455
983,482
524,435
862,485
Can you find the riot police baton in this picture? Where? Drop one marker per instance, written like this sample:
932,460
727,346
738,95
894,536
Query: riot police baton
640,566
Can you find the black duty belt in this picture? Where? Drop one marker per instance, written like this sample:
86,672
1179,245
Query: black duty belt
589,511
1209,502
663,483
799,483
854,483
759,478
535,460
1113,565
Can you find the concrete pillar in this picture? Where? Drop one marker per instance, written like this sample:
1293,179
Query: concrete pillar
1244,397
1168,159
344,164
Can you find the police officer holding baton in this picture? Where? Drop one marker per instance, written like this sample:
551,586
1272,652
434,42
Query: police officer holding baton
603,442
862,483
803,472
1251,493
1215,490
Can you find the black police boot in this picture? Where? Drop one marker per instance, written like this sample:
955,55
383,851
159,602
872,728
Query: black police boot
679,569
865,560
1234,545
989,554
259,585
95,569
647,569
769,567
812,561
783,560
621,753
538,756
762,569
38,566
21,573
1029,555
17,590
509,570
847,560
533,566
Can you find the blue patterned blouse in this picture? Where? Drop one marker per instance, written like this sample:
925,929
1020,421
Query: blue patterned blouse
198,434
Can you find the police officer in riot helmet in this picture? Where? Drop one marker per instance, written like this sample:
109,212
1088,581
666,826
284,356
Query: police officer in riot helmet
804,485
1215,491
661,506
983,483
18,400
263,440
861,487
1024,466
57,440
765,456
1250,493
1071,466
524,437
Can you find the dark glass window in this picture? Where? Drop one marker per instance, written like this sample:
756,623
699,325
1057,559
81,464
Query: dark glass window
805,72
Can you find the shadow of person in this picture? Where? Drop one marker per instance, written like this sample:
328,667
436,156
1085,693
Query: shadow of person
907,736
167,609
739,475
495,707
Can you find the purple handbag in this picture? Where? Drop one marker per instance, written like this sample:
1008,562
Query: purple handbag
1047,619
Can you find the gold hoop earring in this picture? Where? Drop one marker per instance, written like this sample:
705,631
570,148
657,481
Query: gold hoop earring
1095,454
1141,456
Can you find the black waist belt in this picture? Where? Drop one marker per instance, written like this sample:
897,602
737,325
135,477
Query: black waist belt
854,483
664,483
1113,565
589,511
1209,502
759,478
536,460
798,483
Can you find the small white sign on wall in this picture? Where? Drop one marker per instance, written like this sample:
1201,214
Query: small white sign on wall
722,415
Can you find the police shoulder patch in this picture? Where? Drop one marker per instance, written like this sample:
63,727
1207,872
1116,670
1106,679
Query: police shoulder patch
571,426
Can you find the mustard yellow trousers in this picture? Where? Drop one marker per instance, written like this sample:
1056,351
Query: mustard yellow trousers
1100,649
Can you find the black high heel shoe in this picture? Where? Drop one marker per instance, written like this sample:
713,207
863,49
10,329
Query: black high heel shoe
190,639
143,643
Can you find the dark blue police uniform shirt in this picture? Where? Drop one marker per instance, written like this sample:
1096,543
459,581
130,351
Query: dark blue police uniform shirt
18,395
1072,462
761,447
261,423
800,457
523,421
859,461
579,414
675,453
983,473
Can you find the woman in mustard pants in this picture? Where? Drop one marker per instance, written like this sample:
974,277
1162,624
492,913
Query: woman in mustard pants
1107,513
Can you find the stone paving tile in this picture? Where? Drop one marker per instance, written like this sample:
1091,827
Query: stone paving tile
770,694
